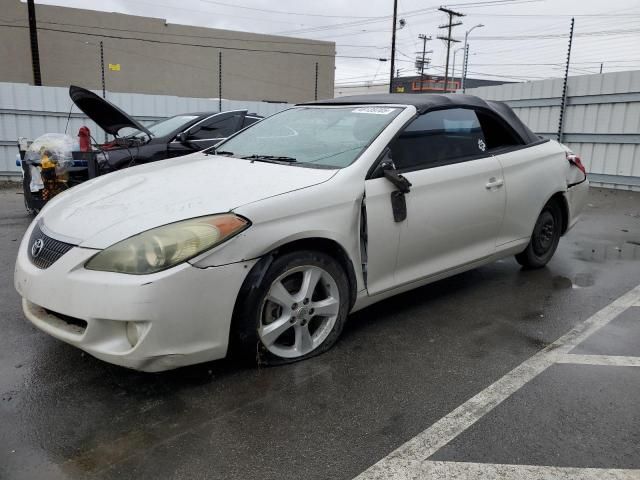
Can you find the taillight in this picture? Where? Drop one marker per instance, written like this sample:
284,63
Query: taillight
575,160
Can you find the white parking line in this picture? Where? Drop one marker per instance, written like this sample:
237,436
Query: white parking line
612,360
410,459
482,471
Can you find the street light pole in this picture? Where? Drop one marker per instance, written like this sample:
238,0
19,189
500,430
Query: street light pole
466,53
393,45
453,69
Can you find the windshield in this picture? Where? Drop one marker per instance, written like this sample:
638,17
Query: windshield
323,136
165,127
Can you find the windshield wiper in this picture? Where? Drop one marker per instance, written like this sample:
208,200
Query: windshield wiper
270,158
213,151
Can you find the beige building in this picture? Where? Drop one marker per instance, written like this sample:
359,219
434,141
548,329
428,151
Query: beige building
148,55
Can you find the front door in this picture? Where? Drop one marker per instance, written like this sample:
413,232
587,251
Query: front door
455,207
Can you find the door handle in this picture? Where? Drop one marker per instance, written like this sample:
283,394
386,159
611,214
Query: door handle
494,183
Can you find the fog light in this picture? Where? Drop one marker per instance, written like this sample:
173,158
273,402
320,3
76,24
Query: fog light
134,332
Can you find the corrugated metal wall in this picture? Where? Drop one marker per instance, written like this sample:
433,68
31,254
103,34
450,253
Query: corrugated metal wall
29,111
602,120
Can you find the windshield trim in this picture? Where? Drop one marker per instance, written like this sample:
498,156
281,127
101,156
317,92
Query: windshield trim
224,112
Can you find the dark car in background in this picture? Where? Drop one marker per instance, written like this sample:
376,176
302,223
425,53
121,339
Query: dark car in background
134,143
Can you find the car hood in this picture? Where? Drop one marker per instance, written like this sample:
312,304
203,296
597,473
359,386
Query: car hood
108,117
107,209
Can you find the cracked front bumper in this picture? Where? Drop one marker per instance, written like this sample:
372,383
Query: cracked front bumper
161,321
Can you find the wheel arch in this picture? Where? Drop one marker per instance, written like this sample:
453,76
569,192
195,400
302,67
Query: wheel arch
561,200
258,271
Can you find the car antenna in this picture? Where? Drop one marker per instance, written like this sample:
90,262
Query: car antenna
68,118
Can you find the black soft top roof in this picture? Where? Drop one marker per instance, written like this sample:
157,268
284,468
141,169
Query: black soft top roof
432,101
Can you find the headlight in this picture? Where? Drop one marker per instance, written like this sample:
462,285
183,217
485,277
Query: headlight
163,247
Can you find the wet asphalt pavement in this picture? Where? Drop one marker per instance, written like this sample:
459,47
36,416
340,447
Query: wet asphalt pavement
400,366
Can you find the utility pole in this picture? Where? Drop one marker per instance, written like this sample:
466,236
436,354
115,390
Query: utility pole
316,89
104,90
563,105
465,64
422,61
448,38
393,45
33,37
601,67
220,81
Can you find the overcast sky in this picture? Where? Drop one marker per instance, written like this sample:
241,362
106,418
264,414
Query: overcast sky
520,39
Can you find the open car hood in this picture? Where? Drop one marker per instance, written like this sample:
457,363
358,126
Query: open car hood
108,117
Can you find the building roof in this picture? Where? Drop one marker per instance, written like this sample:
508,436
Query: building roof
431,101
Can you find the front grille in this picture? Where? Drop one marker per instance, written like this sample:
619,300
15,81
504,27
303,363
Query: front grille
47,251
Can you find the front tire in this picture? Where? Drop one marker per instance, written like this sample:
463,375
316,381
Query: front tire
296,312
544,239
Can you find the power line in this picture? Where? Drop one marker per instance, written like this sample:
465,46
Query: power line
555,15
280,12
169,34
166,42
406,14
308,42
600,33
155,4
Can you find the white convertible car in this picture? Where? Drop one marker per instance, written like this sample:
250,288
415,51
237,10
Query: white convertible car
265,244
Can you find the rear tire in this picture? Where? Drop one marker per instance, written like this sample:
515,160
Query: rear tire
296,312
544,239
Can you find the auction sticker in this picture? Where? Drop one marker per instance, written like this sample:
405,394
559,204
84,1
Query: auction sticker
373,110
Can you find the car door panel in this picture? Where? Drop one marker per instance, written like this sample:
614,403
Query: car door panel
455,206
454,213
532,175
383,235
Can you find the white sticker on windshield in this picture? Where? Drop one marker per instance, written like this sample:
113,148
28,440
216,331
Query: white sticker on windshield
373,110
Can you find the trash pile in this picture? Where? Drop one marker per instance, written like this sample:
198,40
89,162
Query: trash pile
48,158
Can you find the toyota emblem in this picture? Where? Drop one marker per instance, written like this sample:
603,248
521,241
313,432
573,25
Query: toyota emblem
37,247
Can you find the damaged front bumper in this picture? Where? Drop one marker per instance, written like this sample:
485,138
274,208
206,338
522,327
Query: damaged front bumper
173,318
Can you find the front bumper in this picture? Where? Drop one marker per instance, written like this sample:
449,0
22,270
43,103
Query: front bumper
182,315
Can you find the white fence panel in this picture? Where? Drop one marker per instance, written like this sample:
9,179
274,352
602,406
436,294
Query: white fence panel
29,111
602,120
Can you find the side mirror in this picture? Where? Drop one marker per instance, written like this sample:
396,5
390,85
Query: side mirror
387,169
183,137
385,163
401,183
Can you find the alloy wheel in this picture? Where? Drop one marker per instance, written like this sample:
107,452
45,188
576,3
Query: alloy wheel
299,311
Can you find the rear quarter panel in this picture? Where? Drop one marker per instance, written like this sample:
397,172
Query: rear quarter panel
532,176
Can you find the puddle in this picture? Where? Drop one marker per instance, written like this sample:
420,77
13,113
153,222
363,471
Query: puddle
560,283
583,280
630,250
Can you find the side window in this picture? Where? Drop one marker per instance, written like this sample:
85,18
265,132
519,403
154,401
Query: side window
496,134
439,137
215,128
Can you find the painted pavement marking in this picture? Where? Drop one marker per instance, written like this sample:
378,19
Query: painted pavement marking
612,360
411,459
